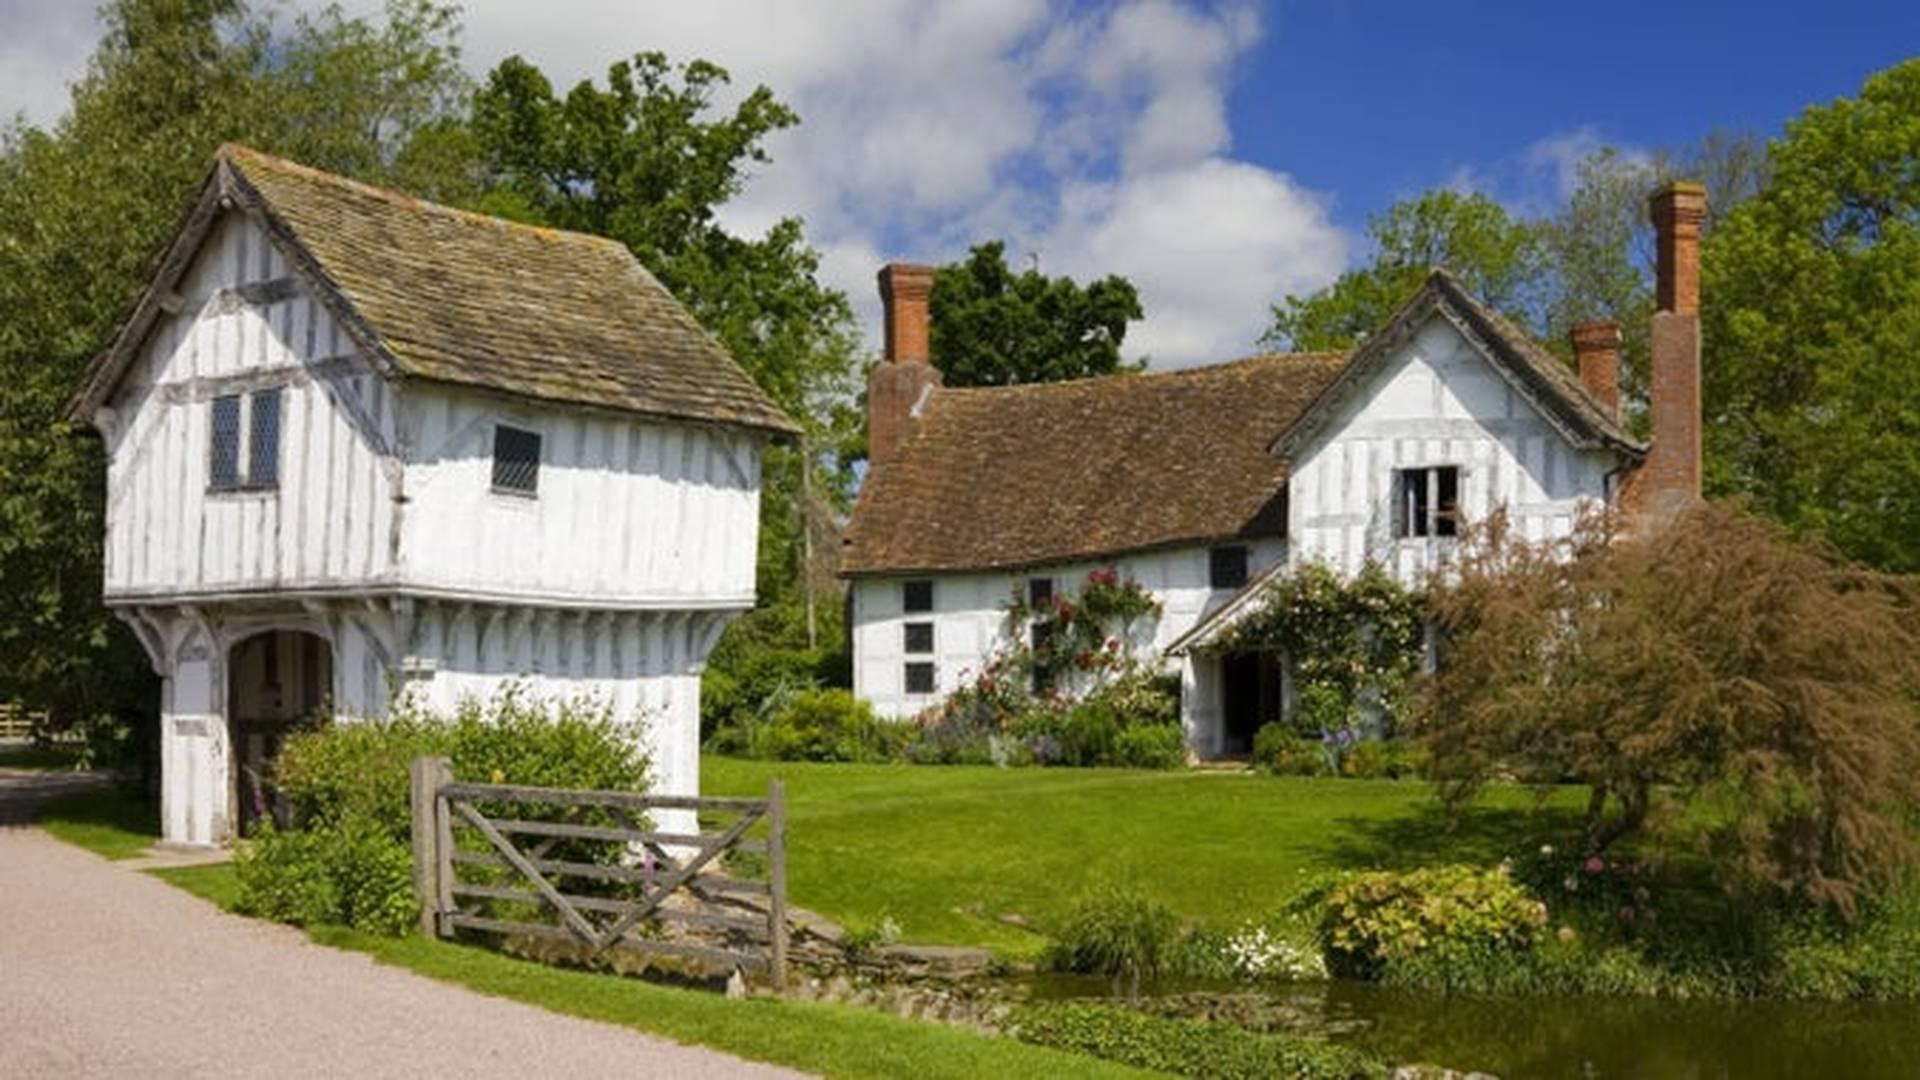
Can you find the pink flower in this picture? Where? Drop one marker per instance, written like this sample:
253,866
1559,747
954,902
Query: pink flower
1626,914
1596,864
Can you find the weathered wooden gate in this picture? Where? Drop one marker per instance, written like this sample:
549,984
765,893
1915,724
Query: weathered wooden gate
655,880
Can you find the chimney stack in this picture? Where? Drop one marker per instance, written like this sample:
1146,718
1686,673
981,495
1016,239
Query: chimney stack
896,387
1596,347
1671,474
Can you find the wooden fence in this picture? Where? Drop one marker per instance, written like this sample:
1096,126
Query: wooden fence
631,886
17,723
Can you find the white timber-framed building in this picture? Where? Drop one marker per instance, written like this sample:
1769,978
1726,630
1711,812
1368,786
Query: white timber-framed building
1204,484
359,444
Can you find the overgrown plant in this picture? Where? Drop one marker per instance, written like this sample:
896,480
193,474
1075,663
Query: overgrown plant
1118,932
1354,645
1707,677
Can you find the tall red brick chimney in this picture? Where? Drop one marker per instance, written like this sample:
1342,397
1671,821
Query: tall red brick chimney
1596,349
897,386
1670,477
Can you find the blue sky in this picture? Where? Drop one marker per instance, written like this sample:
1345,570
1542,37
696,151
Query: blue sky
1220,153
1377,101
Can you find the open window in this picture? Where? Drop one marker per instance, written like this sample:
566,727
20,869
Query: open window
1427,502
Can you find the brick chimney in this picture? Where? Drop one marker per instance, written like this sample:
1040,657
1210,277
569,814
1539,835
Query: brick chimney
896,387
1670,478
1596,347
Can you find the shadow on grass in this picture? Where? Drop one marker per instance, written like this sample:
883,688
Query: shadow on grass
1433,834
111,822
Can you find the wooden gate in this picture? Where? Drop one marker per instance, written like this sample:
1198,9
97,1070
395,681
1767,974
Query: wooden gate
596,872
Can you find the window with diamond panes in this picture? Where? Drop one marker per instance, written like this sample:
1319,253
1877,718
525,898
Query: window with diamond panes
263,439
516,460
919,678
919,637
223,464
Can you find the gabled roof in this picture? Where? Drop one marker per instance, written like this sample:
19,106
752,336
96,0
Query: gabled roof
435,293
1541,378
1009,477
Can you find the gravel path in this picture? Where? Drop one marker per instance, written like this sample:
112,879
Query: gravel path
108,972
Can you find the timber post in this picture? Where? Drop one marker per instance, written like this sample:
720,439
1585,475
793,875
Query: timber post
777,880
432,842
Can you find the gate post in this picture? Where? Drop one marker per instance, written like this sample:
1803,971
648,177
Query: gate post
432,846
777,881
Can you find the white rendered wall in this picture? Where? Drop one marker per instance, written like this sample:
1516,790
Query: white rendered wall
327,522
1439,403
969,617
627,512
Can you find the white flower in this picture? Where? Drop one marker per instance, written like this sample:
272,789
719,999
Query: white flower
1546,849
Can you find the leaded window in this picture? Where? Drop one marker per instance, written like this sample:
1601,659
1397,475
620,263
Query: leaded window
516,460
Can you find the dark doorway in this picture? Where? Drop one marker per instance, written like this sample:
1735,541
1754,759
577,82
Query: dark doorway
1251,696
275,682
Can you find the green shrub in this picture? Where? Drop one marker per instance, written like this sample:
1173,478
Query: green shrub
1158,747
761,661
827,725
346,857
1188,1047
1121,933
1373,919
1277,749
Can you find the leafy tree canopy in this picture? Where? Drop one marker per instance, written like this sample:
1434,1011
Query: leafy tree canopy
993,327
1811,317
1708,678
1495,256
83,209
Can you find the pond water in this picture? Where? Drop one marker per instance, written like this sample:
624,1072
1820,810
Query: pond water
1583,1038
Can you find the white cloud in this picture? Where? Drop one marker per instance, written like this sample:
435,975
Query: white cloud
1211,245
44,49
1098,138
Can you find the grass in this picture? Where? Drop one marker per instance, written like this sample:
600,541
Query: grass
40,757
949,853
111,823
839,1041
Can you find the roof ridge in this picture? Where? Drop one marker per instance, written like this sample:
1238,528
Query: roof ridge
241,155
1137,378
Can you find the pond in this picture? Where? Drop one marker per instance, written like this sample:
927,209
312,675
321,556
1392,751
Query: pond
1583,1038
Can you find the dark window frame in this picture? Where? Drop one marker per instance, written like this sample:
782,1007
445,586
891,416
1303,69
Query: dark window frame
244,435
916,596
516,465
1426,502
1227,566
1039,592
910,631
920,678
223,452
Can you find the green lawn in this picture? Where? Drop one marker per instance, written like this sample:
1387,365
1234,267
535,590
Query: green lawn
839,1041
111,823
950,852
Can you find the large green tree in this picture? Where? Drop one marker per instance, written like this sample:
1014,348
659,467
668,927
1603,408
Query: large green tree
994,327
84,206
649,160
1811,313
1496,257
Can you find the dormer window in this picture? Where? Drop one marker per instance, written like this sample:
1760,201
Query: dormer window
1427,502
516,460
255,442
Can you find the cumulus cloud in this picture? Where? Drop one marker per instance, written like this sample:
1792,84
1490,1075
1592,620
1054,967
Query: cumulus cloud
1097,138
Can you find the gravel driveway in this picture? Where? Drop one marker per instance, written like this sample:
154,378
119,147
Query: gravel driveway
109,972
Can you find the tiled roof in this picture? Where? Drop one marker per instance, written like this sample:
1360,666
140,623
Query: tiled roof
456,297
1030,475
1027,475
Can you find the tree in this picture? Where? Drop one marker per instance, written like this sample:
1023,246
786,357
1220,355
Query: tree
993,327
1496,257
1812,328
1706,673
647,161
85,206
